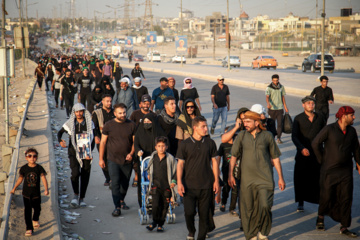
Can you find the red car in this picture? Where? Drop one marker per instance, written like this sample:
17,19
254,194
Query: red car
264,62
138,58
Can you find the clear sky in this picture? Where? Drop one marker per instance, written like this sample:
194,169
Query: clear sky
171,8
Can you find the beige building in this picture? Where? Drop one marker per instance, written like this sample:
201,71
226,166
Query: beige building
217,22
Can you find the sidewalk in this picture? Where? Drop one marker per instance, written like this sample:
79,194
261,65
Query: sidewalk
295,81
39,136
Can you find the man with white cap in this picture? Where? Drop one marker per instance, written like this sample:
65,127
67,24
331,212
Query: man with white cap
126,95
268,123
139,88
79,125
220,98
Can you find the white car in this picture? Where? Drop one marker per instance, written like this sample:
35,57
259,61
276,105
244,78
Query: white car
156,57
177,59
234,61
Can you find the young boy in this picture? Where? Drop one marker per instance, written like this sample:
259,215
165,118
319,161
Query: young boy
224,152
31,174
162,172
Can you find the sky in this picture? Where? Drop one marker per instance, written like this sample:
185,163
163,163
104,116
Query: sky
171,8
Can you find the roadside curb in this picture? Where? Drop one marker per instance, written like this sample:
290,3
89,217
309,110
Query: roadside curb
54,183
248,84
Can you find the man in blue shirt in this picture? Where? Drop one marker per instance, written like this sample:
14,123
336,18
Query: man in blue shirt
159,94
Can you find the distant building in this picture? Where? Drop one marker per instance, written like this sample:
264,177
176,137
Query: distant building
217,22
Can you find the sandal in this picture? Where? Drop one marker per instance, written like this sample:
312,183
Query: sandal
135,183
116,212
160,229
151,227
36,225
28,233
320,224
124,206
348,233
222,207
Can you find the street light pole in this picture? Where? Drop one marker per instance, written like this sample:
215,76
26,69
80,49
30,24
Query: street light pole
181,27
22,41
323,39
228,34
316,22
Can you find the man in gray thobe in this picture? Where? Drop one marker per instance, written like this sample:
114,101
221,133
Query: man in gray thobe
258,152
127,96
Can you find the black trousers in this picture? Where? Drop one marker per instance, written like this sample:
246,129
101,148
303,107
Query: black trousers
138,170
323,109
277,115
105,169
160,205
69,103
39,81
57,93
29,204
199,199
226,190
85,99
82,173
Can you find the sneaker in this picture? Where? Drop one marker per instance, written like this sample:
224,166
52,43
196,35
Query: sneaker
75,202
279,141
212,130
300,209
82,203
116,212
348,233
222,207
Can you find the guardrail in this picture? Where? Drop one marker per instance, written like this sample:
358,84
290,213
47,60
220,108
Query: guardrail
4,229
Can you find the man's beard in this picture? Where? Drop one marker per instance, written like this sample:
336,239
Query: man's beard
121,119
250,129
146,109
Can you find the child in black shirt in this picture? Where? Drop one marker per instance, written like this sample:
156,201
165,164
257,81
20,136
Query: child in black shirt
224,152
31,173
162,172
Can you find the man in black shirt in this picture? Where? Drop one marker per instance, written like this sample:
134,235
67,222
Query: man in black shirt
84,89
138,115
197,181
100,117
221,103
79,123
323,95
167,120
67,91
171,83
137,72
118,139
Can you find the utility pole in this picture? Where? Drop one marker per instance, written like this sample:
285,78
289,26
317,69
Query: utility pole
3,81
5,94
94,23
214,39
22,34
323,39
316,23
228,34
181,27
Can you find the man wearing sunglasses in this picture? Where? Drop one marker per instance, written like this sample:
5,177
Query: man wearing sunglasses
220,98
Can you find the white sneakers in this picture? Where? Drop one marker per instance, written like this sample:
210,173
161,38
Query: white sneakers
75,202
82,203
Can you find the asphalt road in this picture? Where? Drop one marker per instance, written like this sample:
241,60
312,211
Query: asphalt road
287,224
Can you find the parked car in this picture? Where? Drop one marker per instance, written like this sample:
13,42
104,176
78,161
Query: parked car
138,58
234,61
177,59
155,57
264,62
313,63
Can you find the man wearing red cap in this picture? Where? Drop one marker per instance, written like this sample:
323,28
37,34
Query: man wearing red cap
334,147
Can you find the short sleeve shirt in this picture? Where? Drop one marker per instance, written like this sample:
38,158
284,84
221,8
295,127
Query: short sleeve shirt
32,175
120,139
189,94
220,95
159,96
197,155
275,97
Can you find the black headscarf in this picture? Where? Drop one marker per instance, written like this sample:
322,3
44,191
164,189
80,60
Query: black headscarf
145,138
97,97
106,81
184,121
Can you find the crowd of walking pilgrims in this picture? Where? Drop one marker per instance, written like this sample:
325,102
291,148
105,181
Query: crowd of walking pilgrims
116,113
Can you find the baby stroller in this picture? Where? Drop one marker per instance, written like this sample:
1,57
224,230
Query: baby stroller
146,198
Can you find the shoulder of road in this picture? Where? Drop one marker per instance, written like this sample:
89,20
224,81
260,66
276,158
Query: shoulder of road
346,89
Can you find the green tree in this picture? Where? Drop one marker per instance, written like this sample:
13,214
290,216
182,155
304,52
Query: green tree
159,30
